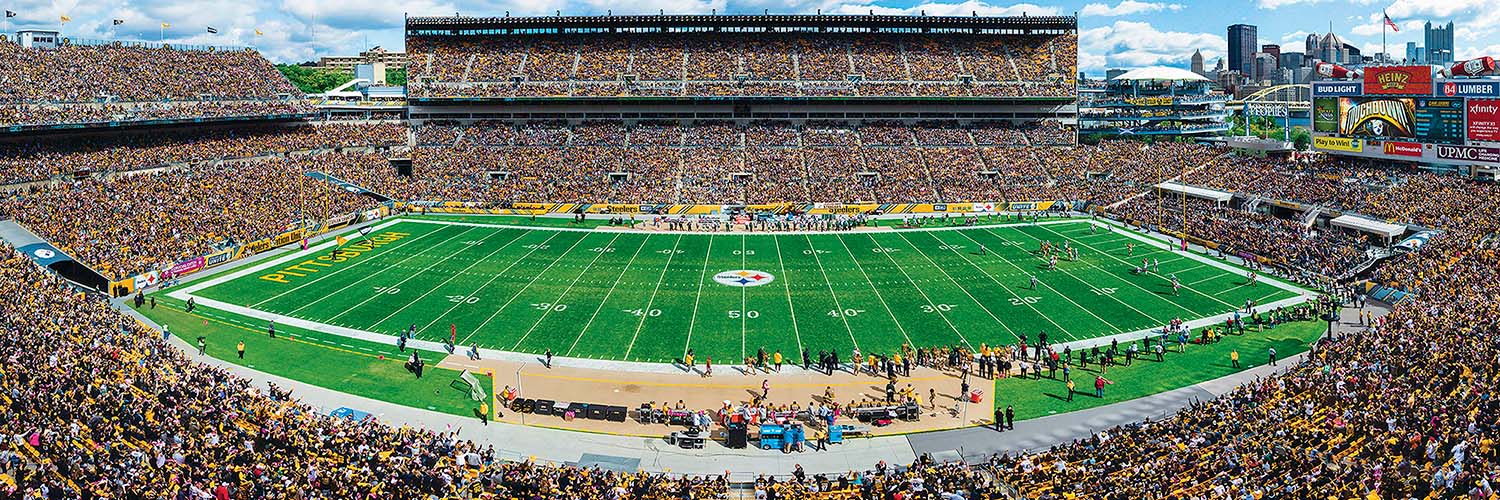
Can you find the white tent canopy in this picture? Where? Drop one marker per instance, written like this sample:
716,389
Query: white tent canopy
1161,73
1196,192
1368,225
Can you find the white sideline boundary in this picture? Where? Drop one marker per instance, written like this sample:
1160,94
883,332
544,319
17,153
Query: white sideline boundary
185,292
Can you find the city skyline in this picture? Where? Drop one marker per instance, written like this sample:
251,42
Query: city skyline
1112,34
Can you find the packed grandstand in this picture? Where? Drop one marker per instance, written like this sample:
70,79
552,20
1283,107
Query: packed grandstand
97,405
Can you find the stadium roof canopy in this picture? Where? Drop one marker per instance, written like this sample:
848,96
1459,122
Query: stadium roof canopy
465,25
1196,192
1161,73
1368,225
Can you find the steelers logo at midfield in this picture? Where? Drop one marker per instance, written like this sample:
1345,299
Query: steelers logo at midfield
743,278
43,253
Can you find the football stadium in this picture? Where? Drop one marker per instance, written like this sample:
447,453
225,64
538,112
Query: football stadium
755,256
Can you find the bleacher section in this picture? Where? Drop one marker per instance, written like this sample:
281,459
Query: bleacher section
117,84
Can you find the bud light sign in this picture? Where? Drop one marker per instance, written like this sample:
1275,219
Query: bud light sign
1338,88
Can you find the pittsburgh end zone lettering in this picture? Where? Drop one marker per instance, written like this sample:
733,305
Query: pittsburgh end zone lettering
310,266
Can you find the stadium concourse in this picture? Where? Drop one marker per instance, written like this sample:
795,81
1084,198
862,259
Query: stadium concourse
98,402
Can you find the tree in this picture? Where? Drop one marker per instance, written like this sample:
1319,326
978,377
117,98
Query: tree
312,80
395,76
1301,138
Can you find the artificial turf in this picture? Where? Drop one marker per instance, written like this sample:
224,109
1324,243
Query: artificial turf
651,296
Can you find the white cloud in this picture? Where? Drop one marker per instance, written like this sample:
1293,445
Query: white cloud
1127,7
1132,44
947,9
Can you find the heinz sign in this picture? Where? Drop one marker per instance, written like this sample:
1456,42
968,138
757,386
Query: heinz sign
1398,80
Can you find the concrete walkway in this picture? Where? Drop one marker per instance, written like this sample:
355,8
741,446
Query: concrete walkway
653,454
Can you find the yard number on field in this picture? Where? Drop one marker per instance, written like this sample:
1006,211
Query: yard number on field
388,290
547,306
750,314
931,308
643,312
1021,301
463,299
1103,291
834,313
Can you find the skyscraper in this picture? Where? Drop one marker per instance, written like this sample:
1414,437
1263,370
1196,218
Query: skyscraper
1197,62
1275,52
1439,42
1414,54
1242,42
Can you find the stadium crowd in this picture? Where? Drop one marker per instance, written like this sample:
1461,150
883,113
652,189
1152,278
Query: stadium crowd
92,83
130,223
35,159
744,64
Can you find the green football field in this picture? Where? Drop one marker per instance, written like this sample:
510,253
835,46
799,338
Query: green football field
639,296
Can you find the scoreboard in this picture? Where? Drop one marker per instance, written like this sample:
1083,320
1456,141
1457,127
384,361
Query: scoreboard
1402,113
1439,120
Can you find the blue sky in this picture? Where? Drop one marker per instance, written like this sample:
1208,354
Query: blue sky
1113,33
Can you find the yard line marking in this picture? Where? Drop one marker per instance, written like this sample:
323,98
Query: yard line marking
877,291
842,316
743,292
1123,261
450,278
919,291
1221,274
1007,288
342,269
784,286
956,283
565,291
491,280
651,301
702,275
1065,296
524,288
611,291
377,273
1085,283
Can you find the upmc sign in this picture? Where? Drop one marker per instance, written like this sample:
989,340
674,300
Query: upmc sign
1398,80
1484,119
1467,153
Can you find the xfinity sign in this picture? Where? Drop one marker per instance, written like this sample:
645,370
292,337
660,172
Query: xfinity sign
1338,88
1482,88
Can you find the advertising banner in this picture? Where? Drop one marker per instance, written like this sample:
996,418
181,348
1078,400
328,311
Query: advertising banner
340,220
1338,144
1377,117
1325,115
1320,89
1403,148
1484,88
1484,119
1398,80
1467,153
218,257
186,266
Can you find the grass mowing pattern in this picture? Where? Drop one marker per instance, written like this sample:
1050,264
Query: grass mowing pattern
651,296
